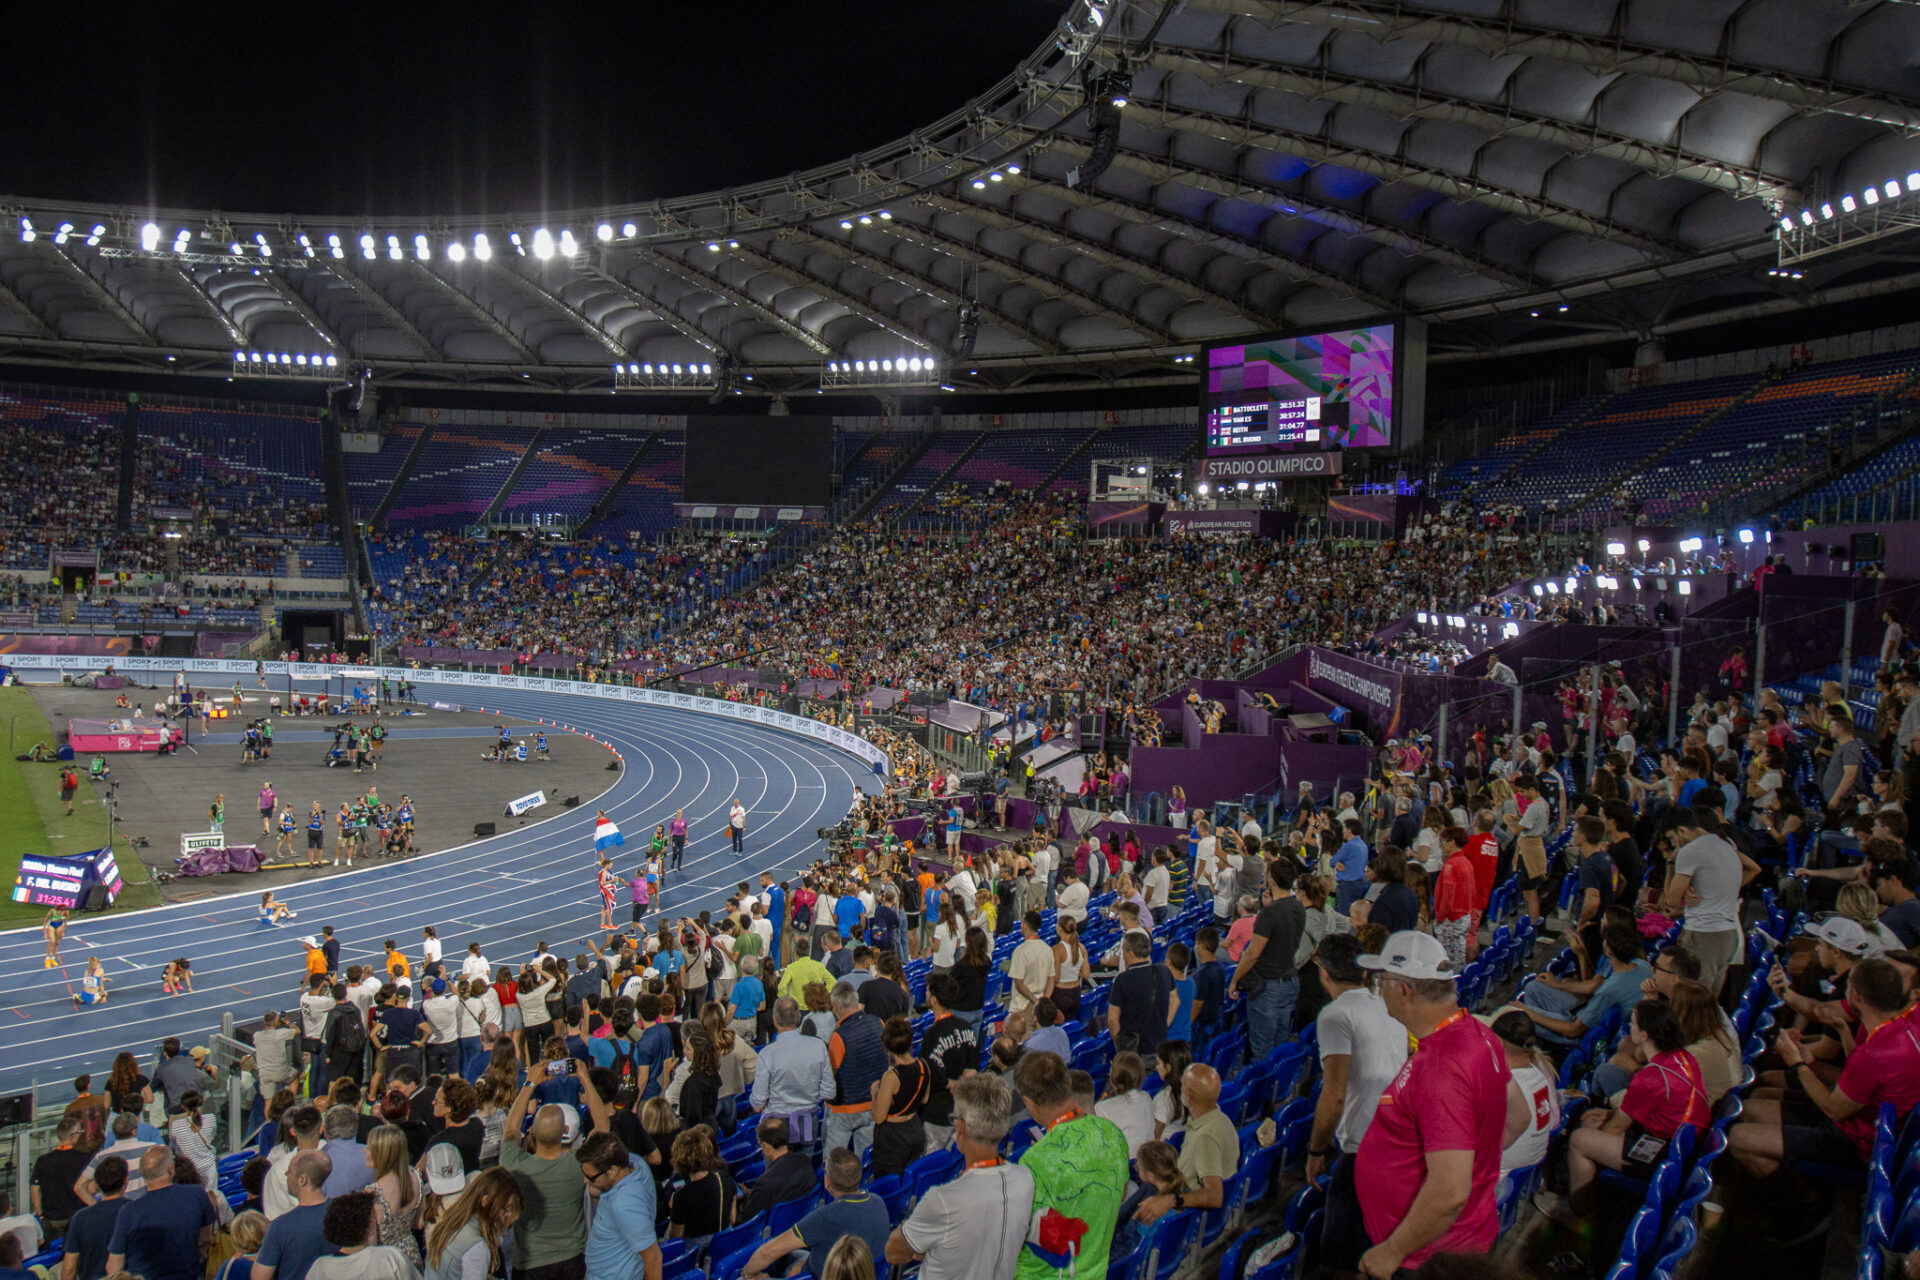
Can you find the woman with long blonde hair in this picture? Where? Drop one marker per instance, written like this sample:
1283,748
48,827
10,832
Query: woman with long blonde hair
396,1190
466,1240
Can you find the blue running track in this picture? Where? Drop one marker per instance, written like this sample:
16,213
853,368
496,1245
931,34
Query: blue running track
506,892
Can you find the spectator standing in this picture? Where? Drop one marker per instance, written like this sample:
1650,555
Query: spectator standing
621,1244
1712,870
1079,1168
1428,1164
1137,1003
164,1234
298,1237
549,1242
56,1172
859,1057
795,1075
1030,969
1265,969
972,1227
1361,1051
87,1237
1349,867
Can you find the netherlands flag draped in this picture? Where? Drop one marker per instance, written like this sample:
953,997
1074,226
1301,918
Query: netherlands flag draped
606,835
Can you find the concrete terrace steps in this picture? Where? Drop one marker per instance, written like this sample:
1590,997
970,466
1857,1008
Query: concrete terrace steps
407,465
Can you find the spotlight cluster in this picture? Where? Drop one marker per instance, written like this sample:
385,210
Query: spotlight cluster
886,371
280,364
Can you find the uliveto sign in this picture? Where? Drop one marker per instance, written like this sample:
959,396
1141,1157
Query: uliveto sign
1274,466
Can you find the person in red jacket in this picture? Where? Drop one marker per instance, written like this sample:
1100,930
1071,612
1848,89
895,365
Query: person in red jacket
1456,896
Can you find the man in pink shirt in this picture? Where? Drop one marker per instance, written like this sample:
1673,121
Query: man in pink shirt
1428,1164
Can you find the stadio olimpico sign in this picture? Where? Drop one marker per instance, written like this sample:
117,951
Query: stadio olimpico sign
1274,466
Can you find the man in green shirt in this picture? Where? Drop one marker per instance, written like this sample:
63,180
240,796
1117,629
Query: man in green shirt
803,970
551,1236
1079,1167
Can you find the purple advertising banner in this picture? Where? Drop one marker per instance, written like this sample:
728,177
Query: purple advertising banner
1245,522
79,646
692,511
1107,513
1373,691
1274,466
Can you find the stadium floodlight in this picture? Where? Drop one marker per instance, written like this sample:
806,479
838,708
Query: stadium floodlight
1686,588
887,365
1871,195
393,248
239,355
456,252
422,248
713,246
236,248
272,358
256,357
1616,548
859,366
1847,204
886,215
1644,546
1806,217
647,369
99,229
61,232
1689,545
1786,224
150,237
1013,168
995,177
1553,588
366,246
1508,630
866,219
628,230
1746,536
1913,182
1636,584
676,368
482,247
603,232
542,244
27,233
1202,488
301,358
979,184
569,247
1826,211
846,224
706,368
333,247
181,241
333,362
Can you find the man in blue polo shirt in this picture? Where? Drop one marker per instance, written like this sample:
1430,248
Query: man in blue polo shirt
848,911
1350,868
953,828
621,1244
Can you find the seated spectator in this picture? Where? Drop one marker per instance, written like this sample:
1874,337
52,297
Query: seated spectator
1834,1124
1664,1095
849,1211
1565,1009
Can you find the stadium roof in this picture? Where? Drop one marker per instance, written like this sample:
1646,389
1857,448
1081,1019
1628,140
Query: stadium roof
1523,174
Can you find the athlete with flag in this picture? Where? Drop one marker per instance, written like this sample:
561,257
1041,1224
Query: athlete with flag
606,833
606,882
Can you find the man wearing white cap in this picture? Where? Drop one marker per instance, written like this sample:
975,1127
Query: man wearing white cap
1428,1164
1839,945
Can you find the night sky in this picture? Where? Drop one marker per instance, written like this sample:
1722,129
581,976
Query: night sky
407,109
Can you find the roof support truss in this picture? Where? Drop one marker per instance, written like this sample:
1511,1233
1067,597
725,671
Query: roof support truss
843,247
16,304
363,289
712,281
103,295
594,331
1497,121
490,322
238,335
827,289
653,305
1503,35
291,296
1392,168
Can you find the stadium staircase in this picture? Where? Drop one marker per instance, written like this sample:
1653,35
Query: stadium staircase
399,484
900,468
1516,449
919,500
1074,459
1879,454
512,481
611,498
1600,494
